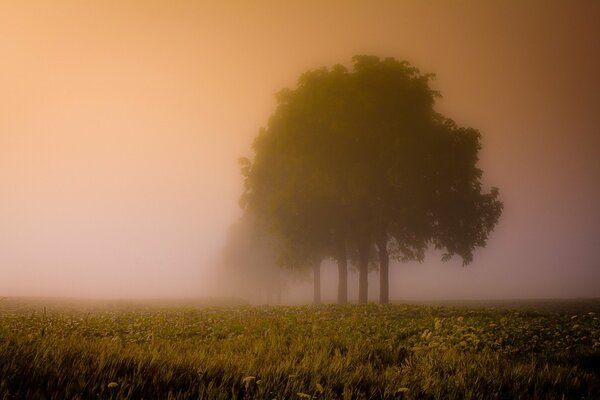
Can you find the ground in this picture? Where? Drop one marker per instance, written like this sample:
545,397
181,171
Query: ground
153,350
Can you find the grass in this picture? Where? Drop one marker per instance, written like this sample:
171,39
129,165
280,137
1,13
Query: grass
326,352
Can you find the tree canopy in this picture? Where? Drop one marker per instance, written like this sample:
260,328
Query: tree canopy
358,157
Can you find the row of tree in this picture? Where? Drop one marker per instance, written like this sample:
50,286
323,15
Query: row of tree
356,163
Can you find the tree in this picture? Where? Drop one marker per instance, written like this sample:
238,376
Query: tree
249,261
421,185
296,222
352,159
286,187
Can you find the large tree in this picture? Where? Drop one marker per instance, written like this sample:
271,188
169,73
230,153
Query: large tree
287,187
298,222
356,158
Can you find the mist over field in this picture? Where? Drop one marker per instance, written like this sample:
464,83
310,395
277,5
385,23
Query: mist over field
121,125
299,199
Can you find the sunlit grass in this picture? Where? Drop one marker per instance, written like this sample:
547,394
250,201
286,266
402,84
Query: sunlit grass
370,352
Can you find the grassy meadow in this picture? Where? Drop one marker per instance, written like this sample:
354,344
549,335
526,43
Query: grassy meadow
178,351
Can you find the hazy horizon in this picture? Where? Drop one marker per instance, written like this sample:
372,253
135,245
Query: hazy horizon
121,124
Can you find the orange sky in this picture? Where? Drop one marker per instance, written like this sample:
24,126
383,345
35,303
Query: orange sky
121,123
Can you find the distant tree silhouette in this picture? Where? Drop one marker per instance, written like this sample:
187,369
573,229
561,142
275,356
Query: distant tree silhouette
299,223
249,262
358,158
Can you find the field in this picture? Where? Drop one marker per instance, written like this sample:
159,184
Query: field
149,351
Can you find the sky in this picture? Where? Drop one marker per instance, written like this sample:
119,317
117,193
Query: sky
121,123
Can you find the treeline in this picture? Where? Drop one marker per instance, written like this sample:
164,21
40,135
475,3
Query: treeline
356,164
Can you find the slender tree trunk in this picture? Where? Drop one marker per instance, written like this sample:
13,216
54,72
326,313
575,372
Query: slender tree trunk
342,262
269,294
384,263
317,282
363,273
279,287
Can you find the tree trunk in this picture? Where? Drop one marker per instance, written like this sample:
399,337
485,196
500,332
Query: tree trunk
384,263
363,273
269,296
317,282
279,287
342,262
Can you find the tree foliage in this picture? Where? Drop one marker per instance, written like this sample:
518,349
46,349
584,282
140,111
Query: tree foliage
360,157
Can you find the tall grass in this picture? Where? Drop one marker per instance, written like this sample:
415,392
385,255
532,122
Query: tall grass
329,352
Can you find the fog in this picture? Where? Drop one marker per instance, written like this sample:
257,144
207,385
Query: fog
121,124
